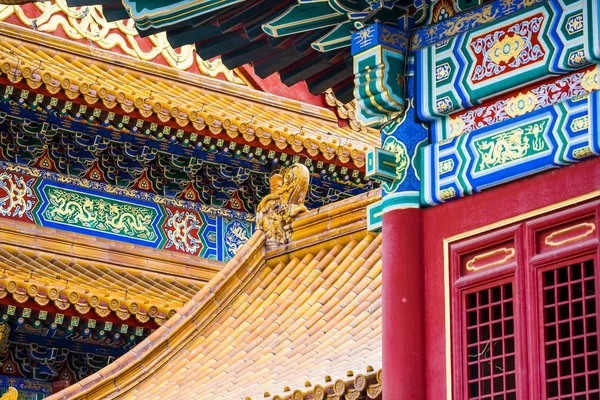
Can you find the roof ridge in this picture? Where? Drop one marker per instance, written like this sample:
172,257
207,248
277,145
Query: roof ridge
329,222
162,344
302,287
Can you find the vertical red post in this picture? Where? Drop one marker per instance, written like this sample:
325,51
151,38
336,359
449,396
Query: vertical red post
403,305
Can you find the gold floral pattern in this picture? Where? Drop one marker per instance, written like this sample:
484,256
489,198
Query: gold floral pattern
90,24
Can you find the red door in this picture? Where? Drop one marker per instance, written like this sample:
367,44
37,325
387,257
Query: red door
511,290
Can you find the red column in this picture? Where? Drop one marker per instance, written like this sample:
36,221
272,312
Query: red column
403,306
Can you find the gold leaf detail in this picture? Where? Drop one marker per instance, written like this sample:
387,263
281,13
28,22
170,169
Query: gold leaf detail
521,104
285,202
503,51
587,227
507,255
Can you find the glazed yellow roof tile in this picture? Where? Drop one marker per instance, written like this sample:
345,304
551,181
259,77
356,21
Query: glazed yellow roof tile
269,320
235,110
46,266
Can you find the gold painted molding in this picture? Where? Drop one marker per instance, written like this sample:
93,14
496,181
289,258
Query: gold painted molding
589,230
509,254
88,23
12,394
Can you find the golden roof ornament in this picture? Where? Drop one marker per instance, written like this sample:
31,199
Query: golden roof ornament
284,203
11,394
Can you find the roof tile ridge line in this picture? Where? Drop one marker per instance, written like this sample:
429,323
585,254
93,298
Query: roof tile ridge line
175,340
100,265
308,242
370,196
339,213
336,221
7,232
130,365
44,39
360,383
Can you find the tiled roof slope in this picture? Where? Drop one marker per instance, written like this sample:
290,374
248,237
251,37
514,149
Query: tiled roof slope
291,317
98,275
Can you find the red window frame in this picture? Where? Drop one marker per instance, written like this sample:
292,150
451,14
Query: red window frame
521,254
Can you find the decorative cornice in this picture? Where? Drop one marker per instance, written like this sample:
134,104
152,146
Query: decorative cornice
83,298
121,191
88,23
120,92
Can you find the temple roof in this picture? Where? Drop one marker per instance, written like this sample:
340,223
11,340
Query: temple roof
178,99
289,317
96,275
298,40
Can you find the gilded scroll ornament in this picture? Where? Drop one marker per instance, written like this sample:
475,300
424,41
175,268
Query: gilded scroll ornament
571,234
90,24
490,259
286,201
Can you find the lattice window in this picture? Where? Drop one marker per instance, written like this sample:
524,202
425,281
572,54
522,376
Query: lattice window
490,343
570,332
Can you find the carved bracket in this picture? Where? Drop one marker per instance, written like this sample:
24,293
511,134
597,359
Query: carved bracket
379,58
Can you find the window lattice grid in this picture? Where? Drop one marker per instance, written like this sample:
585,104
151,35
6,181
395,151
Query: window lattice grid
490,343
570,332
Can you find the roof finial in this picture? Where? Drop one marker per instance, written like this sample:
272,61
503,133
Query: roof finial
286,201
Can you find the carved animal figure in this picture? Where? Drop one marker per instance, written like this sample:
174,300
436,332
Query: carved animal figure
286,201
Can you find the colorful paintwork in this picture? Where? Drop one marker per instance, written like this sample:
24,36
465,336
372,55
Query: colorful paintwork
222,176
52,200
404,139
468,68
80,210
28,388
449,27
592,33
503,108
553,136
41,347
16,196
506,90
379,62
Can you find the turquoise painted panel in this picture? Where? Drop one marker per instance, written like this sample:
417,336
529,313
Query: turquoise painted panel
379,59
499,56
77,205
561,134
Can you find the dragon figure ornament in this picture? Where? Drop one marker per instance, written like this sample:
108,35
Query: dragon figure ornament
11,394
286,201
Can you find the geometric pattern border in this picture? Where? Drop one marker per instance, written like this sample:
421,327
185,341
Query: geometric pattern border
61,205
562,134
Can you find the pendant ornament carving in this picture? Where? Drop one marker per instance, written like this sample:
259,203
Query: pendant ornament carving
284,203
